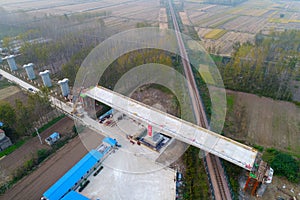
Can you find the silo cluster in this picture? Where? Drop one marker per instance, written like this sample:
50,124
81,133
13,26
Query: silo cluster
45,75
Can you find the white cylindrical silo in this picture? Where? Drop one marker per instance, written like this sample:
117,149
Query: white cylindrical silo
29,70
64,87
11,62
46,78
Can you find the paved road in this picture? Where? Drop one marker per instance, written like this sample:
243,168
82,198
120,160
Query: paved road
18,81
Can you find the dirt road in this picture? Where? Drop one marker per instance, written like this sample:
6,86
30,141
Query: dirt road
16,159
33,186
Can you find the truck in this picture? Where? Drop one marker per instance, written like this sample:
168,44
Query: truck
54,137
106,115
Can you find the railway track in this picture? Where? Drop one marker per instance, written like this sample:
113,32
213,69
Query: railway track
219,175
219,184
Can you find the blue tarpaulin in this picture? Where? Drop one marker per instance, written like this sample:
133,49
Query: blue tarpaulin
1,123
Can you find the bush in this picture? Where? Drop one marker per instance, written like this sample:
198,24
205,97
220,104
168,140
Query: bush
43,154
285,165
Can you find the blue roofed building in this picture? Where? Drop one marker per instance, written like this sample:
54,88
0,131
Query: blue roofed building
72,178
74,196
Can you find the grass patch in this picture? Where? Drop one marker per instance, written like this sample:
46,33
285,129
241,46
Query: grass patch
284,164
216,58
12,148
297,103
230,101
4,84
215,34
258,147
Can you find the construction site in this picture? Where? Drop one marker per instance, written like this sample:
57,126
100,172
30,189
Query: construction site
132,163
142,138
126,148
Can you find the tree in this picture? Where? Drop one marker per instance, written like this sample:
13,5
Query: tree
6,42
39,105
266,68
8,117
23,119
7,114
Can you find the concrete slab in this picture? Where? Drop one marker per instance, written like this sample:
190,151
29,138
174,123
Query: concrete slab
131,183
228,149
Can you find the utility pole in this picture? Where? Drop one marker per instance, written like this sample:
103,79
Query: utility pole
37,132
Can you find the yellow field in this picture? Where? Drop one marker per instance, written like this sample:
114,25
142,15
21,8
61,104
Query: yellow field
249,12
284,21
215,34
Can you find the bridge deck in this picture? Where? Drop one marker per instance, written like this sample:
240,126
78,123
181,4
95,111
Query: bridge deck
204,139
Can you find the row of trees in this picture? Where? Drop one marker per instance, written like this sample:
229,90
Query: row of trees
53,41
195,179
18,119
133,59
266,67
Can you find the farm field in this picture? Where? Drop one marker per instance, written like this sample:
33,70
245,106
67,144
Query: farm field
119,14
184,18
280,128
228,39
215,34
260,121
9,91
241,22
163,19
121,8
